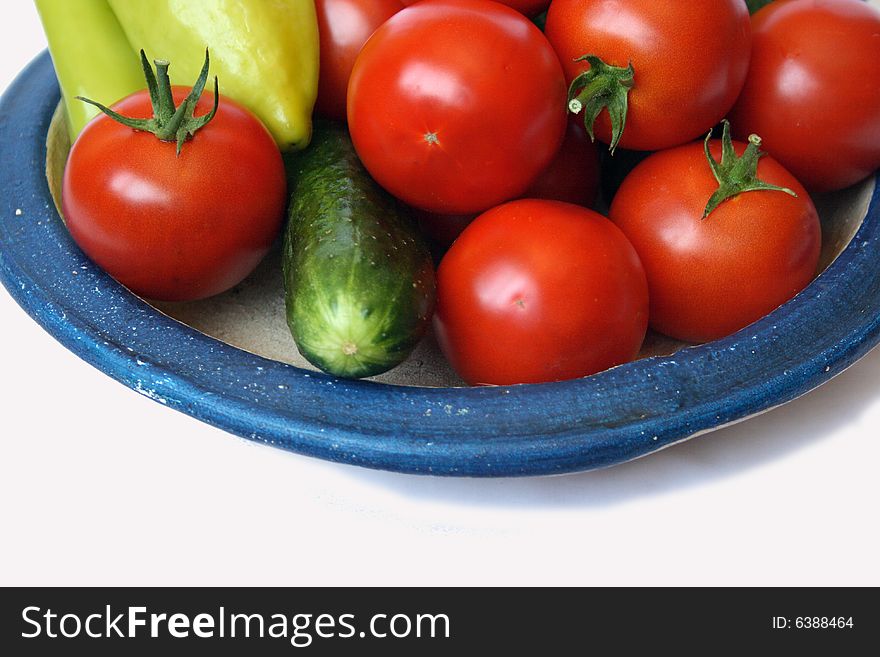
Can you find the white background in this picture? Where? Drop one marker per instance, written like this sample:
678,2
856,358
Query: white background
99,485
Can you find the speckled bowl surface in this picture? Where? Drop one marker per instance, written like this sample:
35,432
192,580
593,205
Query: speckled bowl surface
250,390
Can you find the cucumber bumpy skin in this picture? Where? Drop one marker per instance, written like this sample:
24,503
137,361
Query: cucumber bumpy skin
358,278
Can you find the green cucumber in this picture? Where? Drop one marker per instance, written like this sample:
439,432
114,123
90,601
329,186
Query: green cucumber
358,278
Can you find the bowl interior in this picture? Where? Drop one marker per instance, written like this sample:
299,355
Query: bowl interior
251,316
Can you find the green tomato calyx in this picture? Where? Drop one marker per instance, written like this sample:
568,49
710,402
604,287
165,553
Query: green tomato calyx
736,175
168,123
602,87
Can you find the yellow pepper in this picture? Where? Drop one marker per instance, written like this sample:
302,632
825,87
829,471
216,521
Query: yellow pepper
91,55
265,53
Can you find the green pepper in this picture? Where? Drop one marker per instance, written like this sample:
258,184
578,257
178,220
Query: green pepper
265,53
92,57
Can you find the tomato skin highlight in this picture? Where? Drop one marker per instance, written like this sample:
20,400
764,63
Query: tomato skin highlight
690,61
535,291
344,27
711,277
455,106
175,228
813,90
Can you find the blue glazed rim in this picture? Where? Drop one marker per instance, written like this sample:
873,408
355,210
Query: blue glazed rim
608,418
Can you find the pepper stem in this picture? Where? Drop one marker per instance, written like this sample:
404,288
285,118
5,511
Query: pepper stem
602,87
168,123
736,175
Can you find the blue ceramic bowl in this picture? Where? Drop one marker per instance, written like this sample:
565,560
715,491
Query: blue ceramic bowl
621,414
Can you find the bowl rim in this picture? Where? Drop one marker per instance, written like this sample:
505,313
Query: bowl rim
611,417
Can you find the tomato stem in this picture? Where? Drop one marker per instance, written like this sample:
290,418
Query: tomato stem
755,5
736,175
169,122
602,87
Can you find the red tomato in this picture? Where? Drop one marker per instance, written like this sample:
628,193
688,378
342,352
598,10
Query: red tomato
527,7
168,227
344,27
456,105
536,291
710,277
690,61
812,91
573,176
